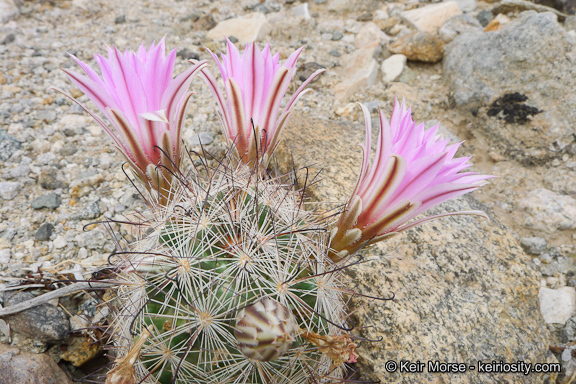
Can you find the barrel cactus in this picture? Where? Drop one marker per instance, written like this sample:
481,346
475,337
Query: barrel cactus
232,283
231,277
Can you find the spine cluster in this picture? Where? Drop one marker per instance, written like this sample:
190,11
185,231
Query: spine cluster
231,283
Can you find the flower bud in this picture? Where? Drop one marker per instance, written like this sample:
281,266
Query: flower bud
265,330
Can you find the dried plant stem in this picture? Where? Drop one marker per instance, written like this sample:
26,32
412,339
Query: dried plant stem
76,287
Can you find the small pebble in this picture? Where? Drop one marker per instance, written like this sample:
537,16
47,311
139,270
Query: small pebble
46,116
557,305
366,16
301,11
534,245
10,38
82,253
17,172
68,150
392,67
419,46
203,138
570,23
76,109
44,232
8,145
5,256
9,233
338,35
44,322
187,54
59,242
17,108
88,212
308,69
373,106
484,17
49,180
567,354
262,8
48,200
9,189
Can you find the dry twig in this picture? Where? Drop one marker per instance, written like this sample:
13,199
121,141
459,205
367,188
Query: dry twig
76,287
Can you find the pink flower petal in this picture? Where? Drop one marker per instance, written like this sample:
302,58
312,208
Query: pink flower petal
144,105
393,192
262,83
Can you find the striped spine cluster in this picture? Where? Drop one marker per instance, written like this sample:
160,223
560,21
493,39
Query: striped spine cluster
265,330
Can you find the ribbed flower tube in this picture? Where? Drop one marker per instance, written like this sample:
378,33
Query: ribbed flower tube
144,105
413,170
254,84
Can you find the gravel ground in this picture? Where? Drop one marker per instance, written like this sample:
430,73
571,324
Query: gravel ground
59,172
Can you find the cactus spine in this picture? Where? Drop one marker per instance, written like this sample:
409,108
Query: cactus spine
231,283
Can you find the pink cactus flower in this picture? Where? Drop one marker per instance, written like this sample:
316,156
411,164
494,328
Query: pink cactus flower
255,84
414,169
144,105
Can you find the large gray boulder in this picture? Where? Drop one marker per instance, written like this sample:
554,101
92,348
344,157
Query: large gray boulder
464,289
532,56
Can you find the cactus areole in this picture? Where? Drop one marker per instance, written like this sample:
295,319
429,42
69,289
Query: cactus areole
234,285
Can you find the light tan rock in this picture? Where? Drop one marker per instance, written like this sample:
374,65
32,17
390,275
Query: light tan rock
340,5
466,6
387,24
286,27
557,305
204,23
369,34
301,11
419,46
360,69
547,211
392,67
350,111
81,350
431,17
245,29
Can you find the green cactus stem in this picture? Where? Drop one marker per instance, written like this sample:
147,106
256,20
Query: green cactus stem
230,246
